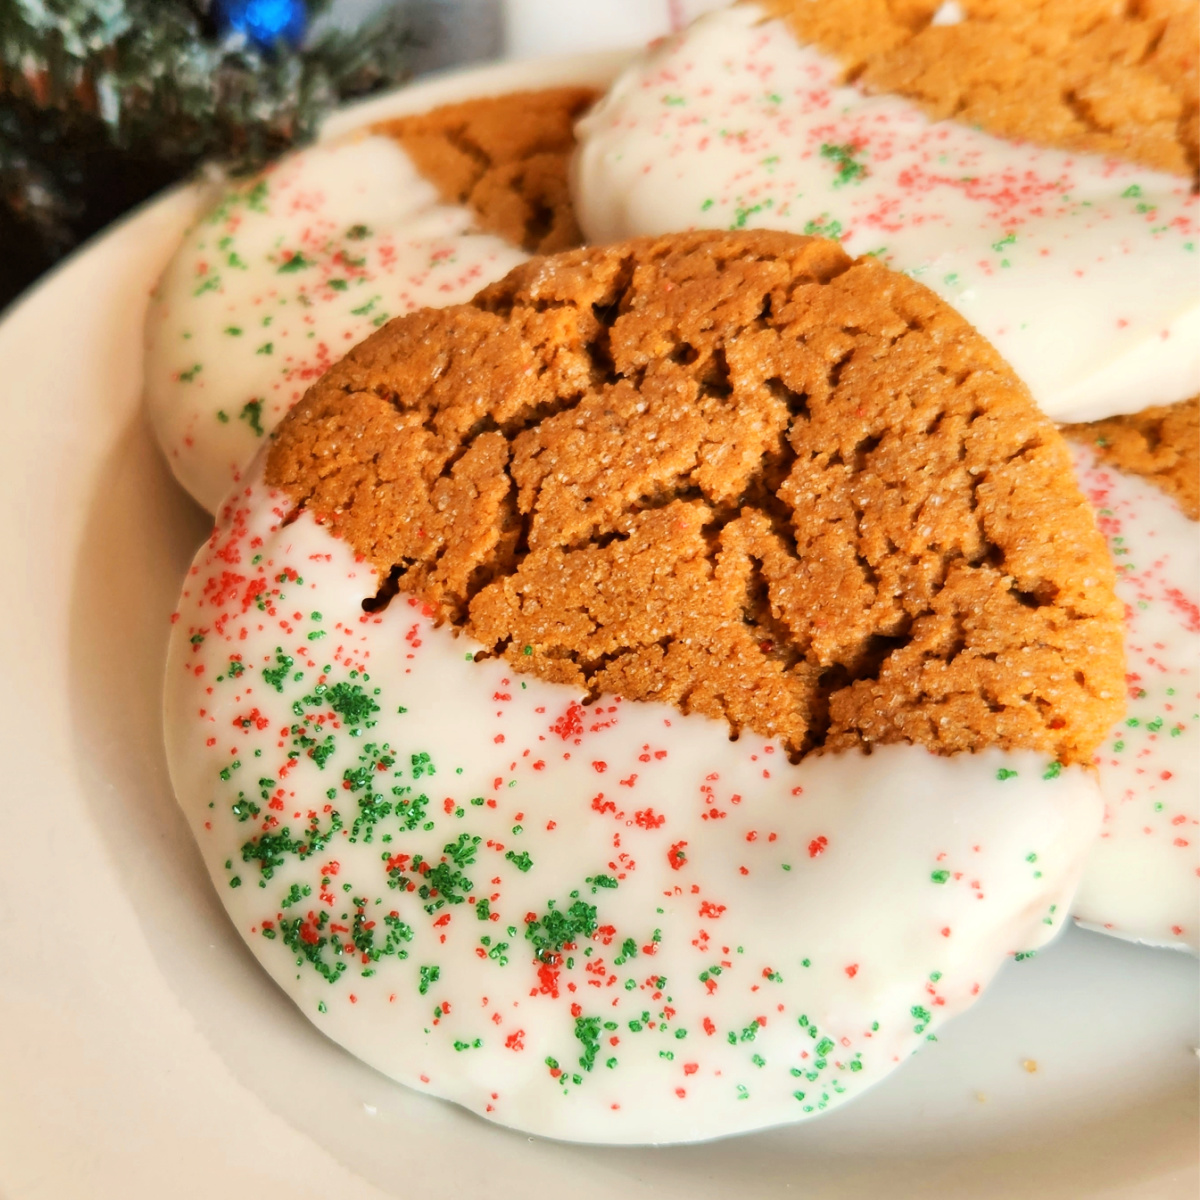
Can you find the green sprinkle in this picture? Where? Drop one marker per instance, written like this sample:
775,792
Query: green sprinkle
822,226
521,861
252,414
297,262
555,928
276,675
849,170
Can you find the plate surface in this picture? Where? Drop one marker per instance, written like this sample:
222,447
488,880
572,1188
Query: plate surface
142,1051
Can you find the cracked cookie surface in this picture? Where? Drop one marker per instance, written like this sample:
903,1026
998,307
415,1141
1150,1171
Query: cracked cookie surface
736,472
505,157
1092,75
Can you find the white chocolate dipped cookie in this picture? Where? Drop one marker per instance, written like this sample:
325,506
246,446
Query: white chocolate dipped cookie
1143,878
1080,267
601,919
290,269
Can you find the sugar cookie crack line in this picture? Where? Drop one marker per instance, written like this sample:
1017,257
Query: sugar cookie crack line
931,573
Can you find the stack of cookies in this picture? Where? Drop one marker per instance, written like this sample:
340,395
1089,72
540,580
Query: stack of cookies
658,655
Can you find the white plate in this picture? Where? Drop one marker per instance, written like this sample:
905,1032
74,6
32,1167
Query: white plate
144,1054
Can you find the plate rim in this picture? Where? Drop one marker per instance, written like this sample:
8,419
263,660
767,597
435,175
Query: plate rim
171,204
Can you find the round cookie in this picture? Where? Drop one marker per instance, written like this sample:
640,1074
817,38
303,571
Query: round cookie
1143,879
610,921
290,269
836,119
734,472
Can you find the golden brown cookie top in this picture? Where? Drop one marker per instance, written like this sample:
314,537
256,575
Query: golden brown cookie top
1113,78
735,472
506,158
1161,444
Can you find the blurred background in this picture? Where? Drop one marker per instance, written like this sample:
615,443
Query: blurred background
105,102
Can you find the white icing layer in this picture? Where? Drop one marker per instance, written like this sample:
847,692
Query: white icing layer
280,279
605,923
1143,878
1081,270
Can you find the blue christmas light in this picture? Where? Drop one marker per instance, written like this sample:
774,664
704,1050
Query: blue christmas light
265,22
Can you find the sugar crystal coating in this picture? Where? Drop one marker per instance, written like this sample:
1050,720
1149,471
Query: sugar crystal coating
1090,75
737,473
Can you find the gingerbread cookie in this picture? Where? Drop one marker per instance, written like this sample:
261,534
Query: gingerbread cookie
891,127
1116,80
288,270
795,497
1160,444
737,473
506,159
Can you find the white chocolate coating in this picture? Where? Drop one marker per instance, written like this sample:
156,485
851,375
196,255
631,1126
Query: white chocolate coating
626,927
1081,270
1143,877
280,279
